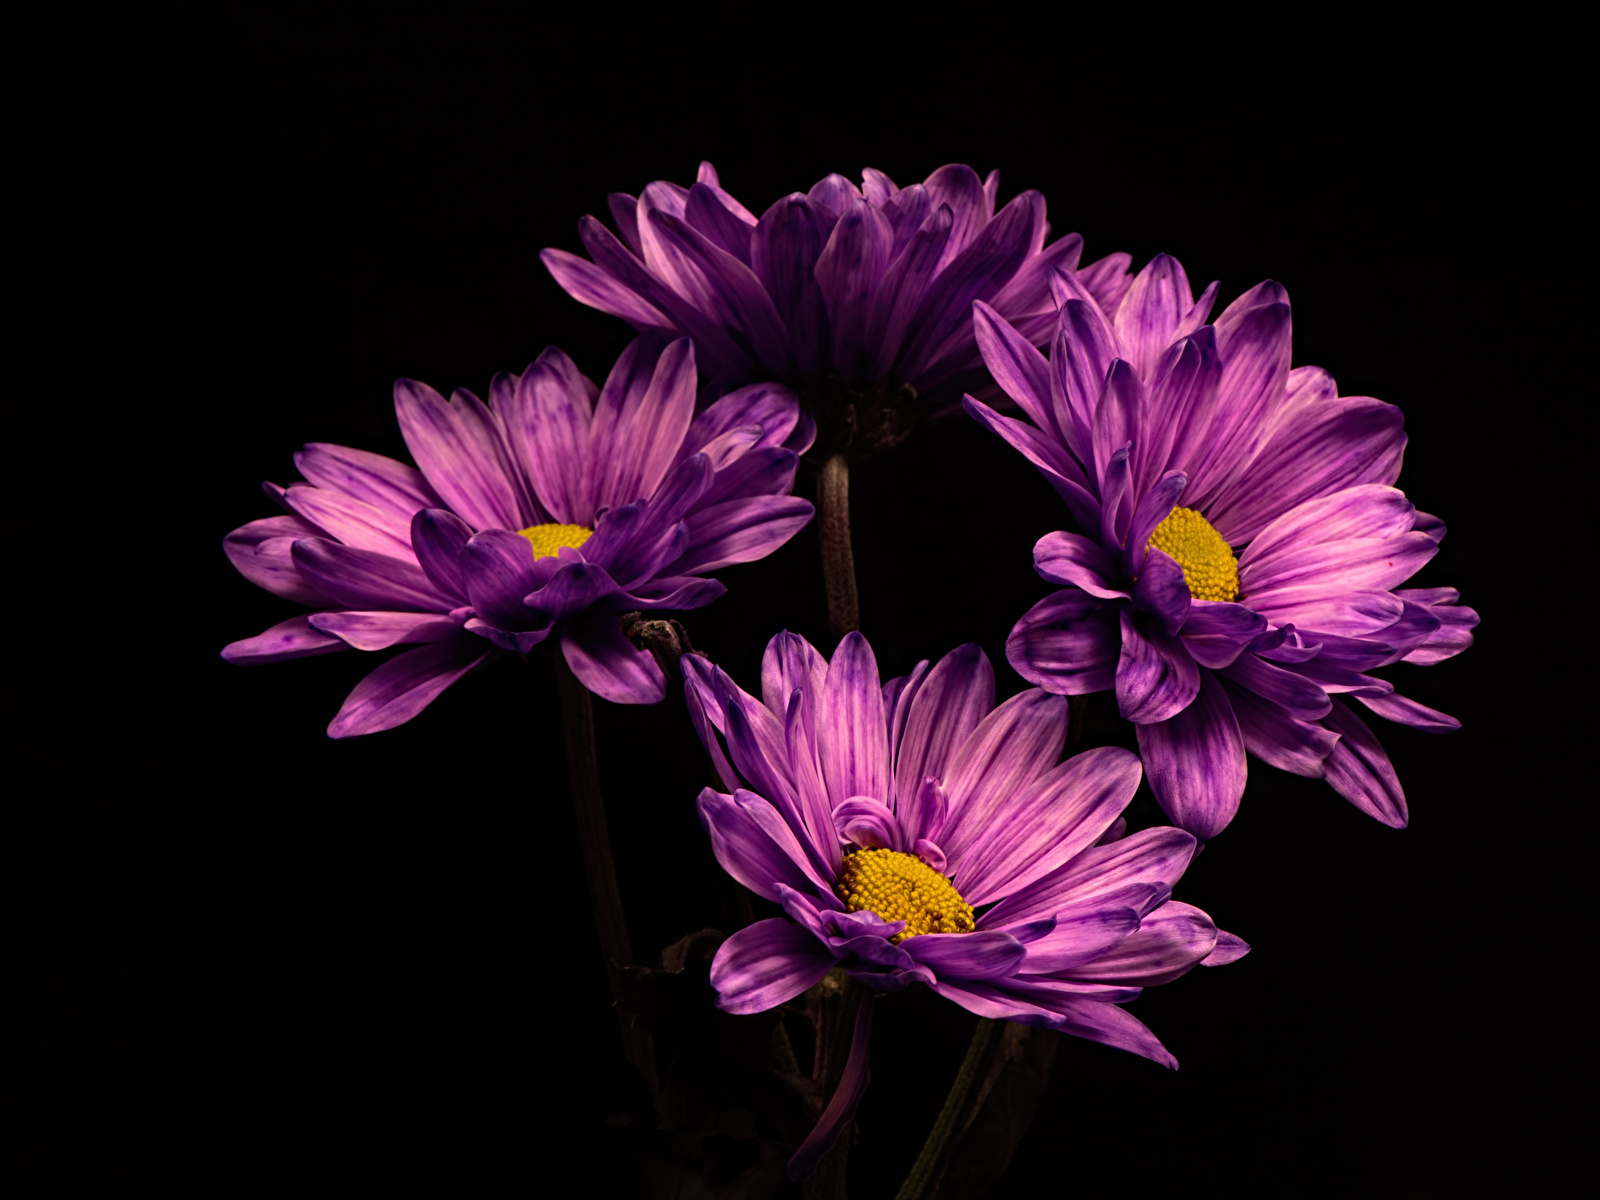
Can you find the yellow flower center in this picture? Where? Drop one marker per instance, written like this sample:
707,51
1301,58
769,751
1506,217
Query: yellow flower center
901,887
548,539
1207,561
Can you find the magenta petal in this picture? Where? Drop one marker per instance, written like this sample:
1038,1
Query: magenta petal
362,579
608,664
846,1098
1080,938
1154,507
1070,558
1138,871
262,552
1112,1026
461,447
741,531
1148,316
1279,739
1156,677
380,630
547,425
438,537
1068,643
1162,591
362,475
1167,944
1195,762
1029,831
1012,746
851,739
1296,694
1360,771
956,695
1405,711
1230,948
405,685
294,638
353,522
982,954
756,846
868,822
765,964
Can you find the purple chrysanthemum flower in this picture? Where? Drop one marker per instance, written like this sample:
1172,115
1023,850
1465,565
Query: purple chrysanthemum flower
547,512
860,298
915,833
1176,443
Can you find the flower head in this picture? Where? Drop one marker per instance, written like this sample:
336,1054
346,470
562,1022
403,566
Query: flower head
915,833
545,513
860,298
1179,445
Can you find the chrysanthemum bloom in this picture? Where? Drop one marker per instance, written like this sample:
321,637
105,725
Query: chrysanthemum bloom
545,513
1178,445
915,833
860,298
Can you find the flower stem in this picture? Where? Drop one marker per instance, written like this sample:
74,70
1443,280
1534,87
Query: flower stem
832,1004
838,562
959,1107
605,898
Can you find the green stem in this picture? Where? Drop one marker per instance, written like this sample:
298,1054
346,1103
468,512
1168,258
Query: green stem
954,1116
594,840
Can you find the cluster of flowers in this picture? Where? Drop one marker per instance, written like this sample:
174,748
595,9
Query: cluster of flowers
1234,578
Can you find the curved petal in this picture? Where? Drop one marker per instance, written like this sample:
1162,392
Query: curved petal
1359,770
353,522
1036,828
380,630
405,685
362,579
1068,643
956,695
1405,711
1278,739
1077,561
1297,695
574,589
846,1098
1138,871
1230,948
547,424
438,537
262,552
460,446
765,964
609,665
1080,938
294,638
1195,762
868,822
852,741
756,846
1156,677
1010,748
740,531
1168,943
982,954
1162,591
362,475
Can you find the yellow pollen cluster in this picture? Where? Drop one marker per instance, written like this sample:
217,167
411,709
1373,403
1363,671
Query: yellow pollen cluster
1207,561
901,887
547,539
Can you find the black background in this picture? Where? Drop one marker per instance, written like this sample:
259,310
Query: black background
257,957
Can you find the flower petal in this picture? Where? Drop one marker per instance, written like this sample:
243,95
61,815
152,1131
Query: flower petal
1068,643
956,695
547,422
362,475
461,447
405,685
1080,938
868,822
262,552
1360,771
363,579
1195,762
1168,943
1010,748
1156,677
1137,871
851,739
846,1098
982,954
740,531
1072,559
294,638
765,964
1031,830
1162,592
755,845
380,630
1279,739
608,664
